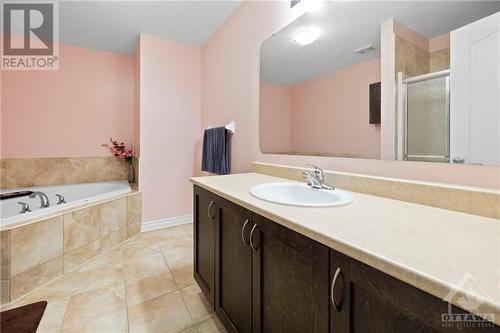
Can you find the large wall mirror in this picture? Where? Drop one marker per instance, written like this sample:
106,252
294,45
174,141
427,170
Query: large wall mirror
321,90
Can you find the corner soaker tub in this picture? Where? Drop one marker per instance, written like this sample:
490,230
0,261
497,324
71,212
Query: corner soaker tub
74,194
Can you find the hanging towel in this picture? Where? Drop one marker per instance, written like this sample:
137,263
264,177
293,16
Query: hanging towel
216,151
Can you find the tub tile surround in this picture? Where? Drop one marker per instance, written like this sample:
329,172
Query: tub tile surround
81,227
36,253
27,172
113,216
477,201
35,244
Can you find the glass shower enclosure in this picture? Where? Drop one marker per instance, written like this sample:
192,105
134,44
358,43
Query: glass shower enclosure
423,132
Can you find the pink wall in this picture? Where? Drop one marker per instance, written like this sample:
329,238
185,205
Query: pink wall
170,99
230,90
137,99
330,114
71,111
274,117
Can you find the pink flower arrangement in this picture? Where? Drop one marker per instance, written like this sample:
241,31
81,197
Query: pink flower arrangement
119,150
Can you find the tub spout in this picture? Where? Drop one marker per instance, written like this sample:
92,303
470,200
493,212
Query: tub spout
44,199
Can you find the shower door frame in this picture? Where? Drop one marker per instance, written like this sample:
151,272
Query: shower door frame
419,78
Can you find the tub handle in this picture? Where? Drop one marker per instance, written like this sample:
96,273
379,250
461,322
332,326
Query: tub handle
25,208
61,199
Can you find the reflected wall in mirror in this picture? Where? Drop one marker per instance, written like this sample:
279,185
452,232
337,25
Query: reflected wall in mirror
324,87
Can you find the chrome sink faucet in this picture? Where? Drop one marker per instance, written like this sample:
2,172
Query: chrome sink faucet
44,199
317,179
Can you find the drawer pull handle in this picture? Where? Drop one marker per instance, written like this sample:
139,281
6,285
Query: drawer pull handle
332,292
251,237
209,208
243,233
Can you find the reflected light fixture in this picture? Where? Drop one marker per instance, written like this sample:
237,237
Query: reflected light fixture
310,6
306,36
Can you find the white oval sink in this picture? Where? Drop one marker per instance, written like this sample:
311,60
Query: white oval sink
297,194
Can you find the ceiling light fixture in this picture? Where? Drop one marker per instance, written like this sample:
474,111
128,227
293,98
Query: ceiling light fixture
307,36
365,49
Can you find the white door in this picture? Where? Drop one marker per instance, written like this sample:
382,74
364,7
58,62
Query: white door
475,92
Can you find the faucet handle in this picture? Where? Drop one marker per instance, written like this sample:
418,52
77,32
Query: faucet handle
24,207
318,172
61,199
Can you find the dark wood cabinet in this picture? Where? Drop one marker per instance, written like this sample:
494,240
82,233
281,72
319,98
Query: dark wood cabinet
204,222
233,301
292,293
366,300
262,277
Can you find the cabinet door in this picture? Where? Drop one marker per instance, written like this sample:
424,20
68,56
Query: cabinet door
291,280
205,219
367,300
234,267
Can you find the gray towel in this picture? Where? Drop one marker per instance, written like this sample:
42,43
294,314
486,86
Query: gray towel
216,151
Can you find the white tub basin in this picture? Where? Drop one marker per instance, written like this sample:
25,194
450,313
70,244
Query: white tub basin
296,194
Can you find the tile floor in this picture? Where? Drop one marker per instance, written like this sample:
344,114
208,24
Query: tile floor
143,285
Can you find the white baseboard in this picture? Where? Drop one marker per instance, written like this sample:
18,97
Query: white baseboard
158,224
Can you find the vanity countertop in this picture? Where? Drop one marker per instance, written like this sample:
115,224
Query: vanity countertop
451,255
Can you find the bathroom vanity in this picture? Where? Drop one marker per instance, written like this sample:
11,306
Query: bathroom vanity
261,271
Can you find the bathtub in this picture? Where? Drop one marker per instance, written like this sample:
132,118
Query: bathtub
75,195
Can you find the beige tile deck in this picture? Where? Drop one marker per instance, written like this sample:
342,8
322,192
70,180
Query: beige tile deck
143,285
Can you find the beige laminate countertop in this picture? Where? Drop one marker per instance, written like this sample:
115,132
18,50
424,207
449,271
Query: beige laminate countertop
448,254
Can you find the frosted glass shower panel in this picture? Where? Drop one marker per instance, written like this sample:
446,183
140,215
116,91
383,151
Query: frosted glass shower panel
428,120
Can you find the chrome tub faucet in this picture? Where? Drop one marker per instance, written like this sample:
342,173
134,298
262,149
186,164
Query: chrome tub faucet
317,179
44,199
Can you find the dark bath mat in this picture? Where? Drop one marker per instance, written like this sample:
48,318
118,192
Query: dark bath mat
24,319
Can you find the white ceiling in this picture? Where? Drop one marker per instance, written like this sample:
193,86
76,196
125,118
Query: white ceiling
349,25
114,25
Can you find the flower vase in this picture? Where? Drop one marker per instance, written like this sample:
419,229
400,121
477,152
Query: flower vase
131,173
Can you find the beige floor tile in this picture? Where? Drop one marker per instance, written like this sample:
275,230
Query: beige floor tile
210,325
115,322
53,316
137,267
196,302
95,303
149,287
129,250
178,255
135,274
183,275
167,236
166,313
96,278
